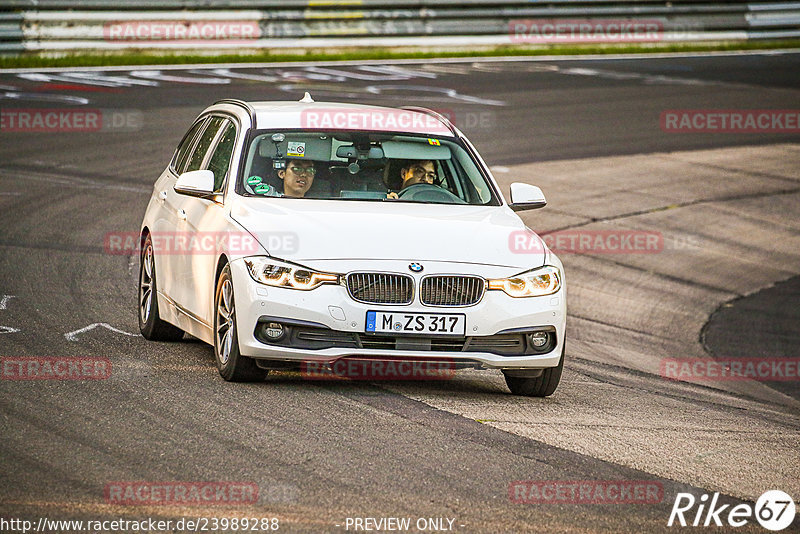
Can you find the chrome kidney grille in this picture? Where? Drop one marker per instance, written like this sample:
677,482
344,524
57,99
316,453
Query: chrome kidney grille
381,288
452,290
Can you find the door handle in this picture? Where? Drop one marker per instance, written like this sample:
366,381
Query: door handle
162,196
182,214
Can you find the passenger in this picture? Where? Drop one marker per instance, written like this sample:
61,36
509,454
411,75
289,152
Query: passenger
416,172
297,177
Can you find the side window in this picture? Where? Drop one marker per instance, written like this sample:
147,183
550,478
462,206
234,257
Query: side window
221,157
196,160
186,145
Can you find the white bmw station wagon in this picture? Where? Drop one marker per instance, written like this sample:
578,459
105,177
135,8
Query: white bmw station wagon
294,233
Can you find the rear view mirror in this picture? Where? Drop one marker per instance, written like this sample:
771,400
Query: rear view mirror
526,197
351,152
195,183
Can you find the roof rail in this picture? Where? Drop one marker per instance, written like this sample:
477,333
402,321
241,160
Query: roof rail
241,103
432,113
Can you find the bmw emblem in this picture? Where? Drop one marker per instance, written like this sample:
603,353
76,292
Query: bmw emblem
415,267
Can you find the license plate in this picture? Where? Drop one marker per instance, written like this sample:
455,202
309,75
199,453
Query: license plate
424,324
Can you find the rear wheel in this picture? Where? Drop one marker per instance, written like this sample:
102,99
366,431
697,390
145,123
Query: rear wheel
540,386
231,364
151,325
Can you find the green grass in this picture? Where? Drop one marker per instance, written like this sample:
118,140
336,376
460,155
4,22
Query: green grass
157,58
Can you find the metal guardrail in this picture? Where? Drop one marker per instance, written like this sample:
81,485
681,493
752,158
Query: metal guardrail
11,34
56,25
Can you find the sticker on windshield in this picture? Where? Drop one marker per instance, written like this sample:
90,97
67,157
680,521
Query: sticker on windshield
434,142
265,189
254,180
296,149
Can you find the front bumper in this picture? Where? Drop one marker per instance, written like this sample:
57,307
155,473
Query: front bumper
330,306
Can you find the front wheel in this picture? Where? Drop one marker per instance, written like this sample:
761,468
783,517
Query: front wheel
540,386
231,364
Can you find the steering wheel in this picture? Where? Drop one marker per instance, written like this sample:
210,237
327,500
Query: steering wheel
429,193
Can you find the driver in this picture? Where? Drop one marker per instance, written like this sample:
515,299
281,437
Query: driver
416,172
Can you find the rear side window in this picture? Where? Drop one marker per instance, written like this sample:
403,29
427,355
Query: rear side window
184,149
221,157
207,137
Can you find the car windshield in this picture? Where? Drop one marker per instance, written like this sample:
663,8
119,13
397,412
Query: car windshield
363,166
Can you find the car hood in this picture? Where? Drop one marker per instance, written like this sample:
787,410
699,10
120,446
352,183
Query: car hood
307,229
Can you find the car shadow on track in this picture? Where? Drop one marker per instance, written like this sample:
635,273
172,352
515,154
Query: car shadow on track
471,385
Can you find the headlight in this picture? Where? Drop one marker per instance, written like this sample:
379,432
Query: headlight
277,273
536,283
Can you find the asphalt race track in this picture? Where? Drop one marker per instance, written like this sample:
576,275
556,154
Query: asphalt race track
723,283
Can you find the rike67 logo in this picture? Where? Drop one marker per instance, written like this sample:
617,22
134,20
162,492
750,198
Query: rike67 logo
774,510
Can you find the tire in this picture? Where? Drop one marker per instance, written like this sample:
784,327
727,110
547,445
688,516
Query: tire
540,386
232,366
151,325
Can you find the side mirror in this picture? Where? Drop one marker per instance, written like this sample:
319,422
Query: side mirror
526,197
196,184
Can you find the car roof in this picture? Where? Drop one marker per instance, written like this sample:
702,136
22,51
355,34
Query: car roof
346,116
